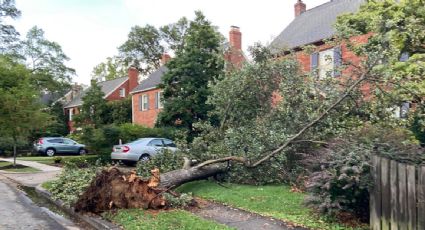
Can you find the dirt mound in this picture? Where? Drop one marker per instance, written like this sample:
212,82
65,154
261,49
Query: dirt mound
112,188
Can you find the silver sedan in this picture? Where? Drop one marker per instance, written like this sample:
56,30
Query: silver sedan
141,150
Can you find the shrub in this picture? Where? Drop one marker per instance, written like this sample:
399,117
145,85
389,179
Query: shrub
342,183
85,161
101,140
183,201
71,184
343,179
57,159
165,161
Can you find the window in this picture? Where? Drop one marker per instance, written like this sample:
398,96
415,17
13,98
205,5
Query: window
400,111
327,62
156,143
145,102
58,140
122,92
169,143
158,100
68,142
70,114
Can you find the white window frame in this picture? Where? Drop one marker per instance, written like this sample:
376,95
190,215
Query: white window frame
145,102
326,65
70,114
159,105
122,92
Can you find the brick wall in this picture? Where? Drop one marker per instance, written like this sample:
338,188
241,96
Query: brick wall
114,96
147,117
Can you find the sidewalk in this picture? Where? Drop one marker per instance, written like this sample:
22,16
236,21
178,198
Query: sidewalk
32,179
32,164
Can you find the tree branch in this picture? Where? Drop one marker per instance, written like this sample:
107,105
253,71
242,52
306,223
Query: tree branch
313,122
225,159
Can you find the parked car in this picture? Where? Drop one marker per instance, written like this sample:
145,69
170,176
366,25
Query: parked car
52,145
141,150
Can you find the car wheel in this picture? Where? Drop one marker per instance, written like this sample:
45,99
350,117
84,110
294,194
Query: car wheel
82,151
50,152
145,157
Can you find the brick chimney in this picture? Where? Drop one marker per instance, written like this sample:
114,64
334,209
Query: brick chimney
300,8
235,38
133,78
234,55
165,58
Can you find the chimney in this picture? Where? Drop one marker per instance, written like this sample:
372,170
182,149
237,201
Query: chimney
165,58
133,78
235,38
300,8
234,55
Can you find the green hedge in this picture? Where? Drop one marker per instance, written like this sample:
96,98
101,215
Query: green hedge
101,140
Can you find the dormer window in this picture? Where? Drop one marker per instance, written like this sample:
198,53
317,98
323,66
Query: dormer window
122,92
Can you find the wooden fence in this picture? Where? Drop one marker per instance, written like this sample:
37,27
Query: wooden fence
397,200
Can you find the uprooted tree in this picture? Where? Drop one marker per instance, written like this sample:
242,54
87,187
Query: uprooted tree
271,107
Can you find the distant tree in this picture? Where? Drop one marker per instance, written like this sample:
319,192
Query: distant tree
20,111
143,48
119,112
8,34
173,34
145,45
111,68
197,62
94,108
47,62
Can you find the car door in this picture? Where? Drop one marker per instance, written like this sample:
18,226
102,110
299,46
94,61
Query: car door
69,146
169,144
57,143
155,146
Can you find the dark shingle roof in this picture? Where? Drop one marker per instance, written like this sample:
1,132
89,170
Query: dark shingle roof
315,24
107,88
152,81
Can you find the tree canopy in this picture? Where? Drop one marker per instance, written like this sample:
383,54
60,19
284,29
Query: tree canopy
197,62
8,34
47,62
146,44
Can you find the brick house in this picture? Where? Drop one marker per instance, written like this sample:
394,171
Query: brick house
116,89
147,96
313,27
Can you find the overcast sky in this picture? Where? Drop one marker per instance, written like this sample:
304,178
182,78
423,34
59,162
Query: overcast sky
91,30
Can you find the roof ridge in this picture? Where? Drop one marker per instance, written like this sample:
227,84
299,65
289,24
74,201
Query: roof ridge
322,5
111,79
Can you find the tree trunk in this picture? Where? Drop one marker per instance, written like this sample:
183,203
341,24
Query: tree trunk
178,177
14,154
112,188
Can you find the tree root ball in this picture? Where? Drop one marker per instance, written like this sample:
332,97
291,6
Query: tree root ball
112,189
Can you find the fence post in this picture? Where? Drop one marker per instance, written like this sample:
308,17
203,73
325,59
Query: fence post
385,194
421,198
375,197
394,195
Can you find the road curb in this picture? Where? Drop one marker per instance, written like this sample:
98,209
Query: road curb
94,221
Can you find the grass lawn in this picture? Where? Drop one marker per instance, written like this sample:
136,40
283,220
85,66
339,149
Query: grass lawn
273,200
47,185
8,166
163,220
49,160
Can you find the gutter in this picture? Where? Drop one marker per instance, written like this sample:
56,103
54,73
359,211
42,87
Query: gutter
94,221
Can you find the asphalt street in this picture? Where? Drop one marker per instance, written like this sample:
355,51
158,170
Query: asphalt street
18,212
